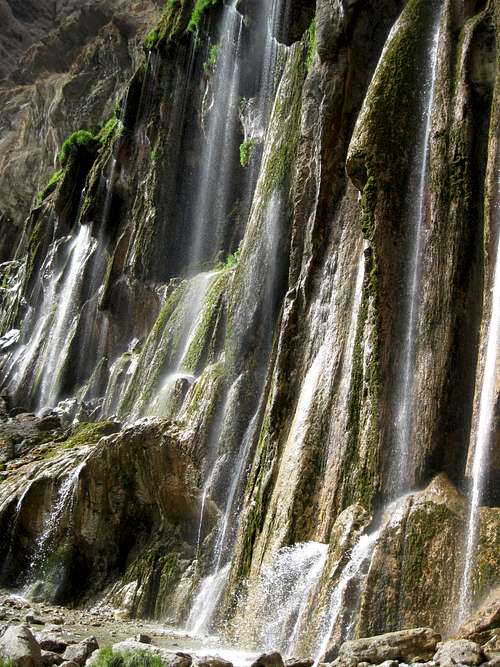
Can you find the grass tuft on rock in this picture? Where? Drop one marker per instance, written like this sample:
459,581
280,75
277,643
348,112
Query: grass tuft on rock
106,657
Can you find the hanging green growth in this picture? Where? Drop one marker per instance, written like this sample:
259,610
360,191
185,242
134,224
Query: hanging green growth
312,45
50,187
152,38
199,9
246,149
108,130
213,56
80,138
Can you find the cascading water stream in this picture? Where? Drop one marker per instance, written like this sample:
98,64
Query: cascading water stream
400,472
282,592
62,502
53,357
194,302
483,431
210,209
360,555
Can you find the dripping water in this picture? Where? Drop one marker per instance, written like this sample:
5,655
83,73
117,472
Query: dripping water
360,555
482,437
416,222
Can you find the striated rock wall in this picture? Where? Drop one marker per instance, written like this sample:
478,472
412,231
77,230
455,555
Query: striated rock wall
292,258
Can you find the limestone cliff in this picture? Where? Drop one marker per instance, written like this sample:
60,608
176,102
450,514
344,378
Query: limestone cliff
277,229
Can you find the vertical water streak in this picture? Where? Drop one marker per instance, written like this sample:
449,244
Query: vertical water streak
482,436
65,311
282,591
211,198
63,501
416,222
206,601
234,489
361,553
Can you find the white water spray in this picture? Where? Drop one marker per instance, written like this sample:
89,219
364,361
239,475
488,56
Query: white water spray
360,555
416,222
482,439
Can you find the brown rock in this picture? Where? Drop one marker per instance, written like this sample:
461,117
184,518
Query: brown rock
50,658
19,645
414,645
269,660
79,653
458,651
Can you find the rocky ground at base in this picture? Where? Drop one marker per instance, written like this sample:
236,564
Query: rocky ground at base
43,635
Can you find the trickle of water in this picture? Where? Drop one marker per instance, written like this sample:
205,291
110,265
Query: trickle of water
63,501
483,431
400,472
361,553
206,601
235,486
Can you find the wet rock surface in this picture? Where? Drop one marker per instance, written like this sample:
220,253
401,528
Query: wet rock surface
417,645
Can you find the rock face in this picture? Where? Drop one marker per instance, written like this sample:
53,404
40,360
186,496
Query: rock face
79,61
253,313
114,501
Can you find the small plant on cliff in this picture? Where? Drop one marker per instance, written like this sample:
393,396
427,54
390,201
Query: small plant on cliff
312,45
246,149
6,662
78,138
230,262
50,187
107,131
152,38
213,55
199,9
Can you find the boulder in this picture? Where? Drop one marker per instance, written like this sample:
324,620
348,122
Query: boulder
52,643
212,661
142,638
19,644
50,658
485,622
79,653
458,651
299,662
269,660
418,644
31,619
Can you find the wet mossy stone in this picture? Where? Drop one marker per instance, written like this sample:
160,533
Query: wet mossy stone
81,141
392,107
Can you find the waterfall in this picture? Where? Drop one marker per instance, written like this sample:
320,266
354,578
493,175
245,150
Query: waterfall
206,601
360,555
279,599
482,436
153,376
416,221
64,318
62,502
211,204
